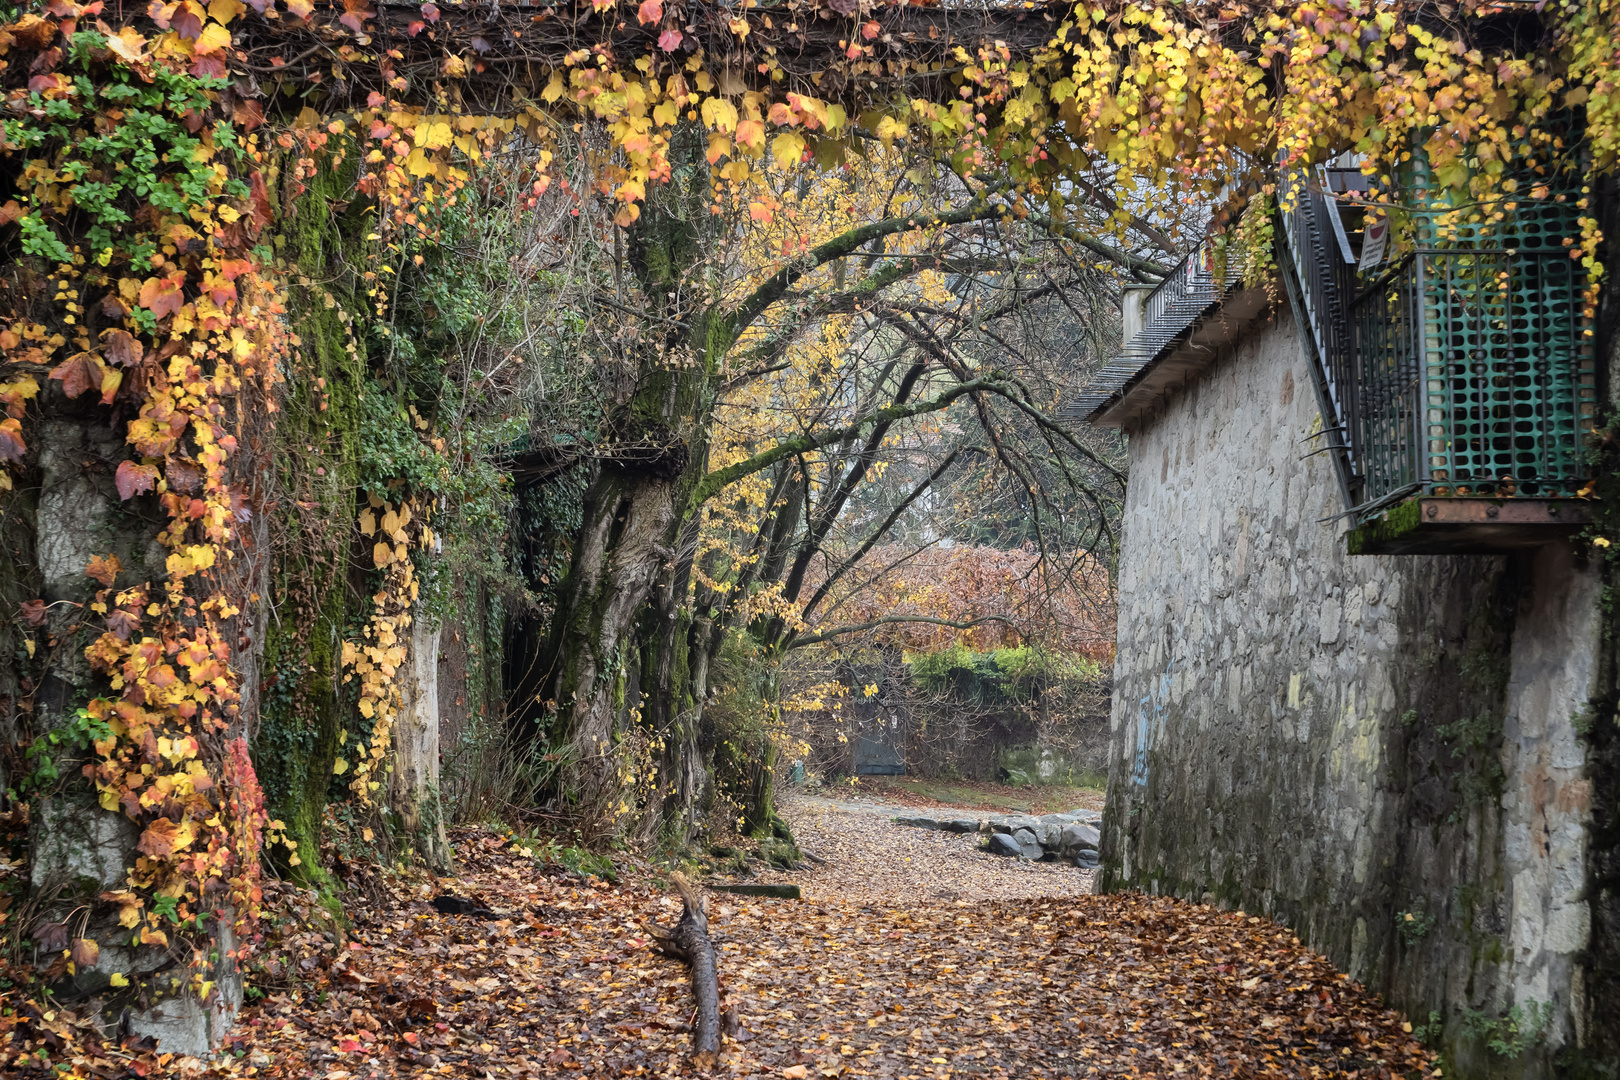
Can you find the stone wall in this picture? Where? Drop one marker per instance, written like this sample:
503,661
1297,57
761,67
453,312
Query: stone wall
1382,752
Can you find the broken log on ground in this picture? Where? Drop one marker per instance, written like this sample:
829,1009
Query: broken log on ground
776,892
690,941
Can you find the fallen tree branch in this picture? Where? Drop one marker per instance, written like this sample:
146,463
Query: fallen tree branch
689,941
775,892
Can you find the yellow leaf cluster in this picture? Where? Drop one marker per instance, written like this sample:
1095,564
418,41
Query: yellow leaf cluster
373,662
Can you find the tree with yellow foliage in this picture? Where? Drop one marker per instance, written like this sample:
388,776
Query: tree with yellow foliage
778,363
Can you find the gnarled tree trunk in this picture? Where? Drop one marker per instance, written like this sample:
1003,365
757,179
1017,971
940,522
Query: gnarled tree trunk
628,519
618,639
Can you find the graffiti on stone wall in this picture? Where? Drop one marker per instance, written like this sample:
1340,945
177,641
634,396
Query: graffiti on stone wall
1151,711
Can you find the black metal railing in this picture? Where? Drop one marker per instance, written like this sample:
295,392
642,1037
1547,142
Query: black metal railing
1326,281
1465,368
1385,422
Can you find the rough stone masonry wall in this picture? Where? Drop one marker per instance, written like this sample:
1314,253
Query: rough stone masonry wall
1382,752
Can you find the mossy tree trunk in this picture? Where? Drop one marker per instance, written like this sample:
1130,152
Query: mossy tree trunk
627,548
302,710
626,639
301,717
622,552
675,665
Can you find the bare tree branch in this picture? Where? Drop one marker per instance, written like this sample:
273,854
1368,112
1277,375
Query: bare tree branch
878,533
720,478
773,288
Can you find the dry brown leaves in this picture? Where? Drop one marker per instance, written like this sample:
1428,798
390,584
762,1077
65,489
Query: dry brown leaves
563,983
37,1040
1089,986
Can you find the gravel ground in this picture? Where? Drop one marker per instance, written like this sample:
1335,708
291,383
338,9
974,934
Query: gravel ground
871,860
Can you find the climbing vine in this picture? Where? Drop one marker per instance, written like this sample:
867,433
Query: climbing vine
1190,98
376,659
140,207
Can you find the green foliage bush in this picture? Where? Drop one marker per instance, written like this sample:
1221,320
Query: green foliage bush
151,156
1510,1036
44,753
1015,675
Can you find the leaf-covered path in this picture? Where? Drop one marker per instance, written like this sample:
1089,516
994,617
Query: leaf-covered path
558,979
872,860
875,975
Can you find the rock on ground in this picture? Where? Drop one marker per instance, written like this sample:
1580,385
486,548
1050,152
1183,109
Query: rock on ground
1073,839
1028,845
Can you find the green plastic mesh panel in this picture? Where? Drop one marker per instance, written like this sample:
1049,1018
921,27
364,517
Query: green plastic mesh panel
1476,369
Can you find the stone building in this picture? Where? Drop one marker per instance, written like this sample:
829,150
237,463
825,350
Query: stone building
1362,684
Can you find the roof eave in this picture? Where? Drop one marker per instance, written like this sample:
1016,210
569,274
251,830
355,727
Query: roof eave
1184,356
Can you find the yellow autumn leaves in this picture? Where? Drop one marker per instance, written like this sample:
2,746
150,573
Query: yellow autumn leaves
642,107
376,660
389,524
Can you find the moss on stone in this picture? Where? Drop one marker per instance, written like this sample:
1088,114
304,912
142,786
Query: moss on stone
1393,524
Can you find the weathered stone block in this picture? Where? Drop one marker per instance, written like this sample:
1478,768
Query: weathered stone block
918,822
1028,845
80,847
1012,824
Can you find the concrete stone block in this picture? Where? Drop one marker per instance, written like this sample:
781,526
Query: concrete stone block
79,846
182,1025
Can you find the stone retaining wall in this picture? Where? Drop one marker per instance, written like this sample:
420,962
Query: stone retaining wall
1382,752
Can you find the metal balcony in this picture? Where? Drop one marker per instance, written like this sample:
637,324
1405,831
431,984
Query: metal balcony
1456,383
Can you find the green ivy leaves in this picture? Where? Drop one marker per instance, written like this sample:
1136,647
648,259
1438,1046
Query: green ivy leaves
116,142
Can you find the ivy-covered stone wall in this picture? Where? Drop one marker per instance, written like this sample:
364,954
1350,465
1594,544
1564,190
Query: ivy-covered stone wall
1385,753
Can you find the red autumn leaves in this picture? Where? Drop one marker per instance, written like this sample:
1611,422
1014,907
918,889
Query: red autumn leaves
163,296
134,479
87,371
